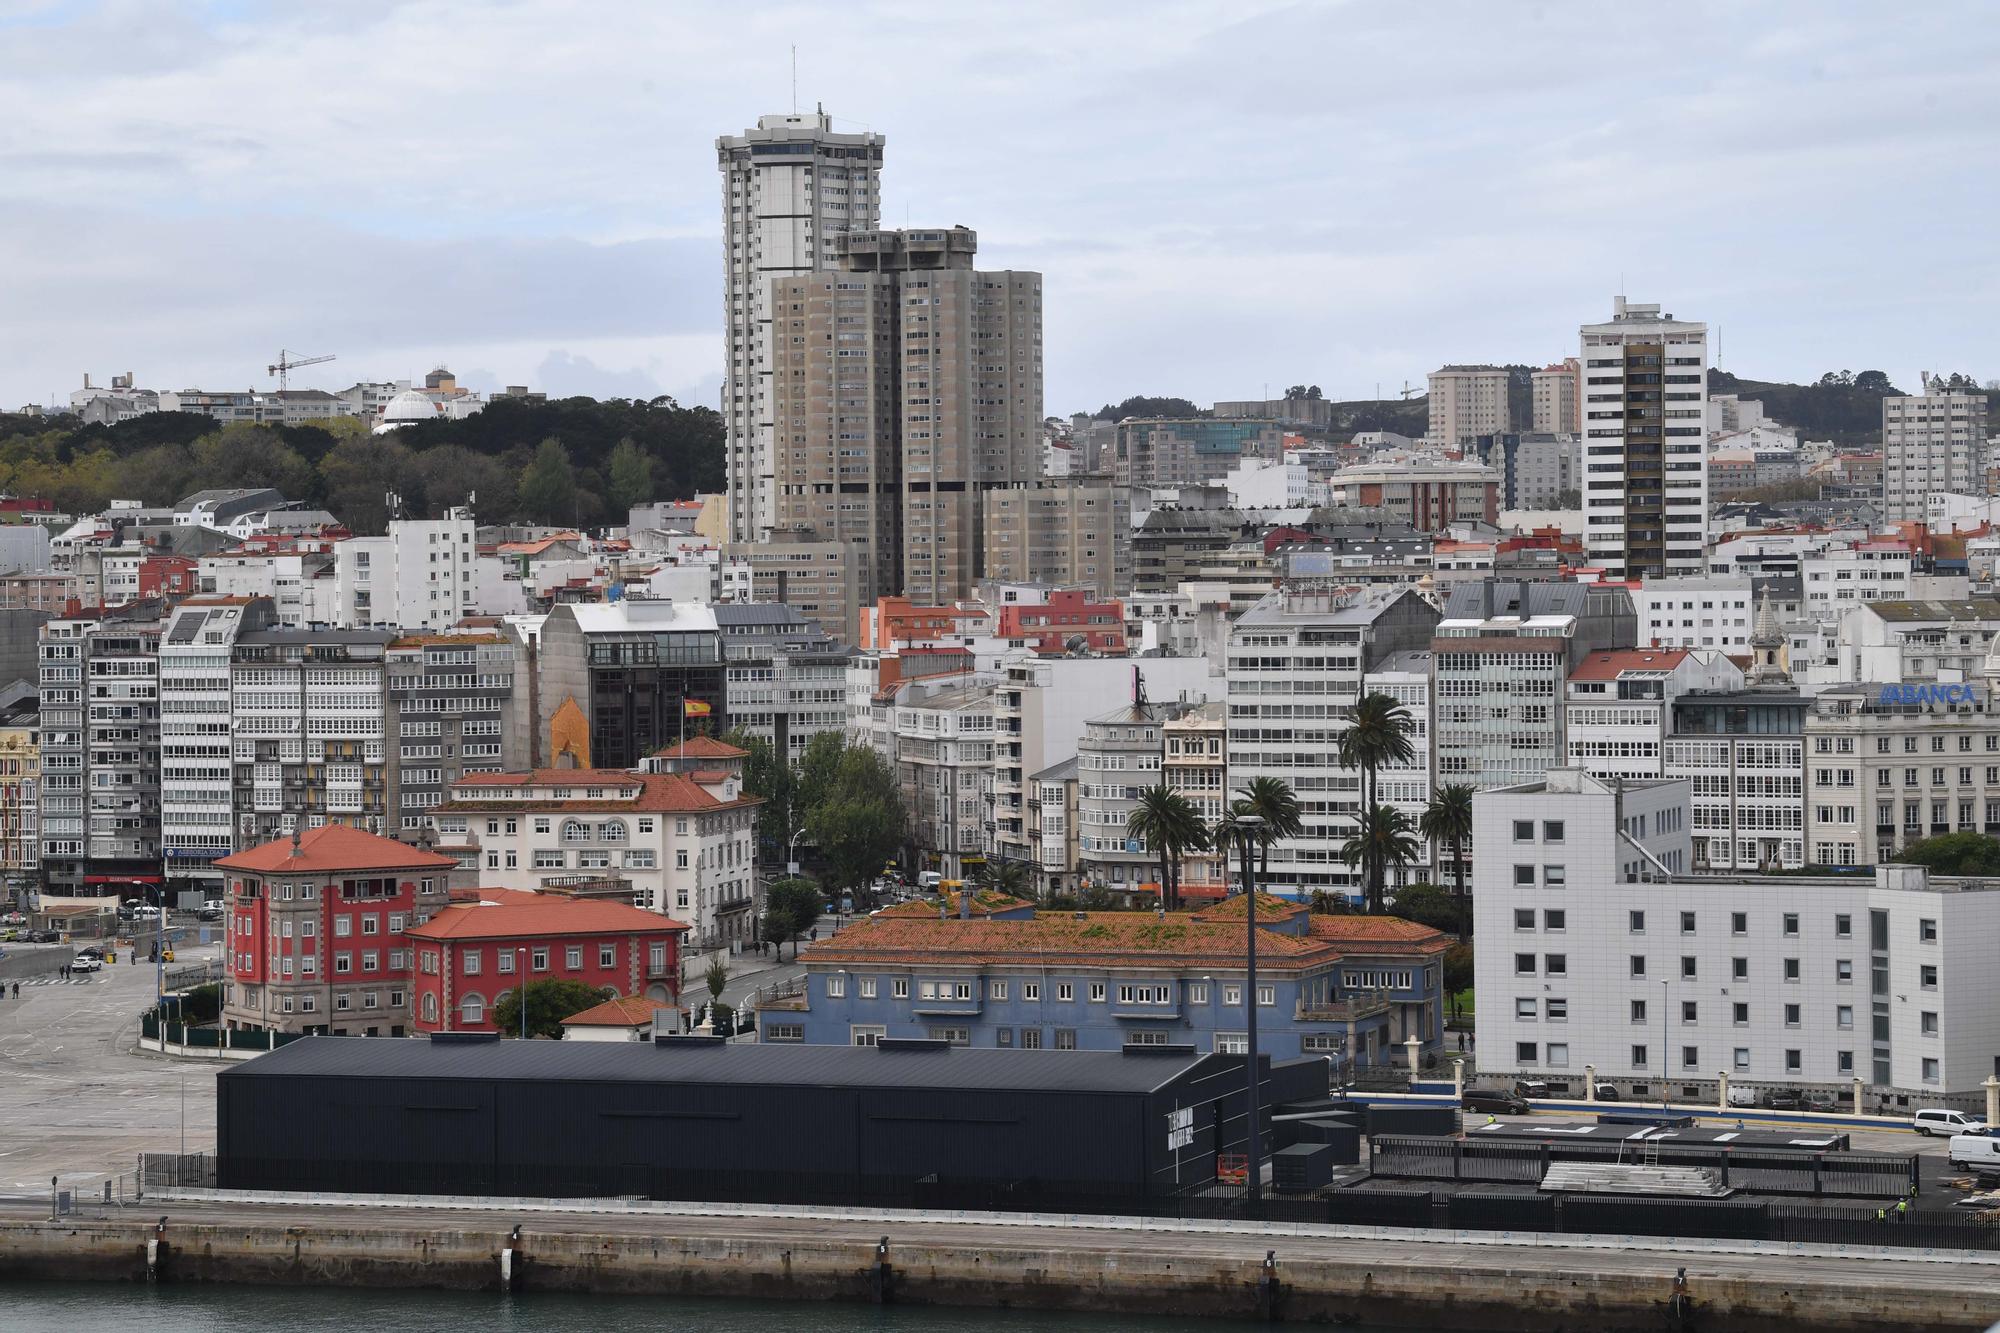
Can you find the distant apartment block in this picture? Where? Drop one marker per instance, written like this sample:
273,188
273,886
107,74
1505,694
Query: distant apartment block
1555,396
1464,403
1160,452
1070,534
1933,442
1645,464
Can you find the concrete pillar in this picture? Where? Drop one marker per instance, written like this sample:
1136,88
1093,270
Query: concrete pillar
1857,1097
1722,1091
1413,1046
1590,1083
1992,1086
1458,1078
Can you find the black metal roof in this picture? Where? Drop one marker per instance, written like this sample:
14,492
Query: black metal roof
966,1068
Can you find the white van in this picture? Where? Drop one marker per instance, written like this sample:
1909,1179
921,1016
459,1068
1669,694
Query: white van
929,880
1978,1152
1937,1120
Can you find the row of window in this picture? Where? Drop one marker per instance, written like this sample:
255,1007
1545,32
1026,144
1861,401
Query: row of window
1097,992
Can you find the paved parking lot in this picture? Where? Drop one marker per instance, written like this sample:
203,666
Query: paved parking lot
77,1097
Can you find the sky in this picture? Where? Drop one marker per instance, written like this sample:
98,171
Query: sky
1220,197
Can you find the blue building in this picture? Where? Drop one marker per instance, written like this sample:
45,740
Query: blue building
999,974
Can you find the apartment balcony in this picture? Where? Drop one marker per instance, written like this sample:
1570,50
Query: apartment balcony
1351,1010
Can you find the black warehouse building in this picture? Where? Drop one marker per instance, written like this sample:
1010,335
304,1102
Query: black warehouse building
899,1124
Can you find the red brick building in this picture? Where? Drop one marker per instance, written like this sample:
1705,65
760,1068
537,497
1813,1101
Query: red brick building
168,576
470,954
317,932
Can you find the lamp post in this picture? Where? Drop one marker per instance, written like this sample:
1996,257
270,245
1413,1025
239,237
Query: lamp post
792,851
1251,828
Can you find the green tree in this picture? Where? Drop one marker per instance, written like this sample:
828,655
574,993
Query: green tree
1458,968
452,475
1240,831
1385,836
1429,905
1954,854
1378,734
1273,799
244,455
1322,903
858,826
1447,821
819,769
547,491
159,475
631,478
357,476
550,1001
1000,876
716,978
767,775
797,903
1171,827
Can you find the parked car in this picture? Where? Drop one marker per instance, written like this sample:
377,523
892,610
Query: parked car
1785,1100
1937,1120
1742,1096
1823,1105
1608,1092
42,937
209,912
1494,1101
145,910
14,919
86,962
1531,1087
91,951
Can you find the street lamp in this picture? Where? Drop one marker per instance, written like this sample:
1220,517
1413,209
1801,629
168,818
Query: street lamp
1250,828
792,850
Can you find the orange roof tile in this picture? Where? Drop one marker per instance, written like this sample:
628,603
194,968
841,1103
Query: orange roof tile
984,903
1236,906
621,1011
1379,930
555,916
701,747
332,848
1108,939
1610,665
642,793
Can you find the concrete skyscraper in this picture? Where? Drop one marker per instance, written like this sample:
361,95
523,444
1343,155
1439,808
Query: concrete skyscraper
789,188
1933,442
1645,464
905,385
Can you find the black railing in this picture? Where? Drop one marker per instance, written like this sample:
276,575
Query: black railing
1767,1171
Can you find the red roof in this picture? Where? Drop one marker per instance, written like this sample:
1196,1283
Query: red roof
701,747
624,1011
643,793
553,916
1379,930
1611,665
332,848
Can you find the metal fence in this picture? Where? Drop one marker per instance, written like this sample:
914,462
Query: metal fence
1767,1171
165,1170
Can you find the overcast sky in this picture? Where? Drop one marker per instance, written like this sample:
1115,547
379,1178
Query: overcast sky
1220,196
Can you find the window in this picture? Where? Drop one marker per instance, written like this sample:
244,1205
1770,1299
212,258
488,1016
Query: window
1690,1011
1557,1010
1791,1015
1638,1011
1032,990
1843,1061
1554,919
1930,1070
1927,976
1739,923
1031,1039
866,1035
1928,1023
1636,922
1524,831
836,985
1688,968
899,988
953,1036
1556,964
1524,876
1791,969
868,988
1232,995
1524,1052
1267,996
1554,877
1524,964
1843,1016
1739,969
1843,926
1638,1057
573,957
607,955
469,962
472,1009
1524,918
539,959
1525,1007
1740,1058
1638,965
1097,990
1690,1057
1558,1055
1791,923
1687,923
997,990
1066,992
1066,1041
1552,830
1927,930
1843,970
504,961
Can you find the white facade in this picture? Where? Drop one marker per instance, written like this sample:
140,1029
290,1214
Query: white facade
1265,483
1743,755
1834,582
1930,443
1645,466
425,574
942,737
1498,714
1618,705
1774,982
196,774
1701,611
1889,641
789,187
295,583
687,848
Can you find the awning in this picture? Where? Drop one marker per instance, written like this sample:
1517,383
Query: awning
121,879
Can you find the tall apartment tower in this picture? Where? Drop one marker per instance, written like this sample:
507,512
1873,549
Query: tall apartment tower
906,386
1464,403
1555,397
1931,442
789,188
1645,467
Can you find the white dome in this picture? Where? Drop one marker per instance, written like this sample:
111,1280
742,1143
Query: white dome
407,406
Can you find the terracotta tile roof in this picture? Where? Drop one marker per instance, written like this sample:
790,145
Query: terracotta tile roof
1610,665
455,640
331,848
1103,939
1379,930
494,895
624,1011
554,915
1236,906
640,793
701,747
984,903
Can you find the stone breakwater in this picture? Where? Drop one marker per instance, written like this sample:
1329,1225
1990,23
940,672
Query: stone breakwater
1525,1287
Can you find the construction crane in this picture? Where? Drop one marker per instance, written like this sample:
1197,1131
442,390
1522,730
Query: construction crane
1411,391
286,363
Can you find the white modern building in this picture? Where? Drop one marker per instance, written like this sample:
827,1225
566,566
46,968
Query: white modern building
1697,611
1618,705
424,574
1931,442
197,776
1941,641
1645,464
1743,755
1622,967
789,187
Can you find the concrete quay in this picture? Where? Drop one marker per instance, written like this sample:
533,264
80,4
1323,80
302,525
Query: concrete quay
1362,1275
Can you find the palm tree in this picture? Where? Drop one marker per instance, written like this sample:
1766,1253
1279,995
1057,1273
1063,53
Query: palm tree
1448,819
1273,799
1386,836
999,876
1171,828
1378,733
1232,834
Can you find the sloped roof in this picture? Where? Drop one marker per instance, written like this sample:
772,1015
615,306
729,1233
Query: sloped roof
985,903
623,1011
1383,931
657,793
701,747
1616,662
555,916
331,848
1105,939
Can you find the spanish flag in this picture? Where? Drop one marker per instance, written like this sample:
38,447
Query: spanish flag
695,708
